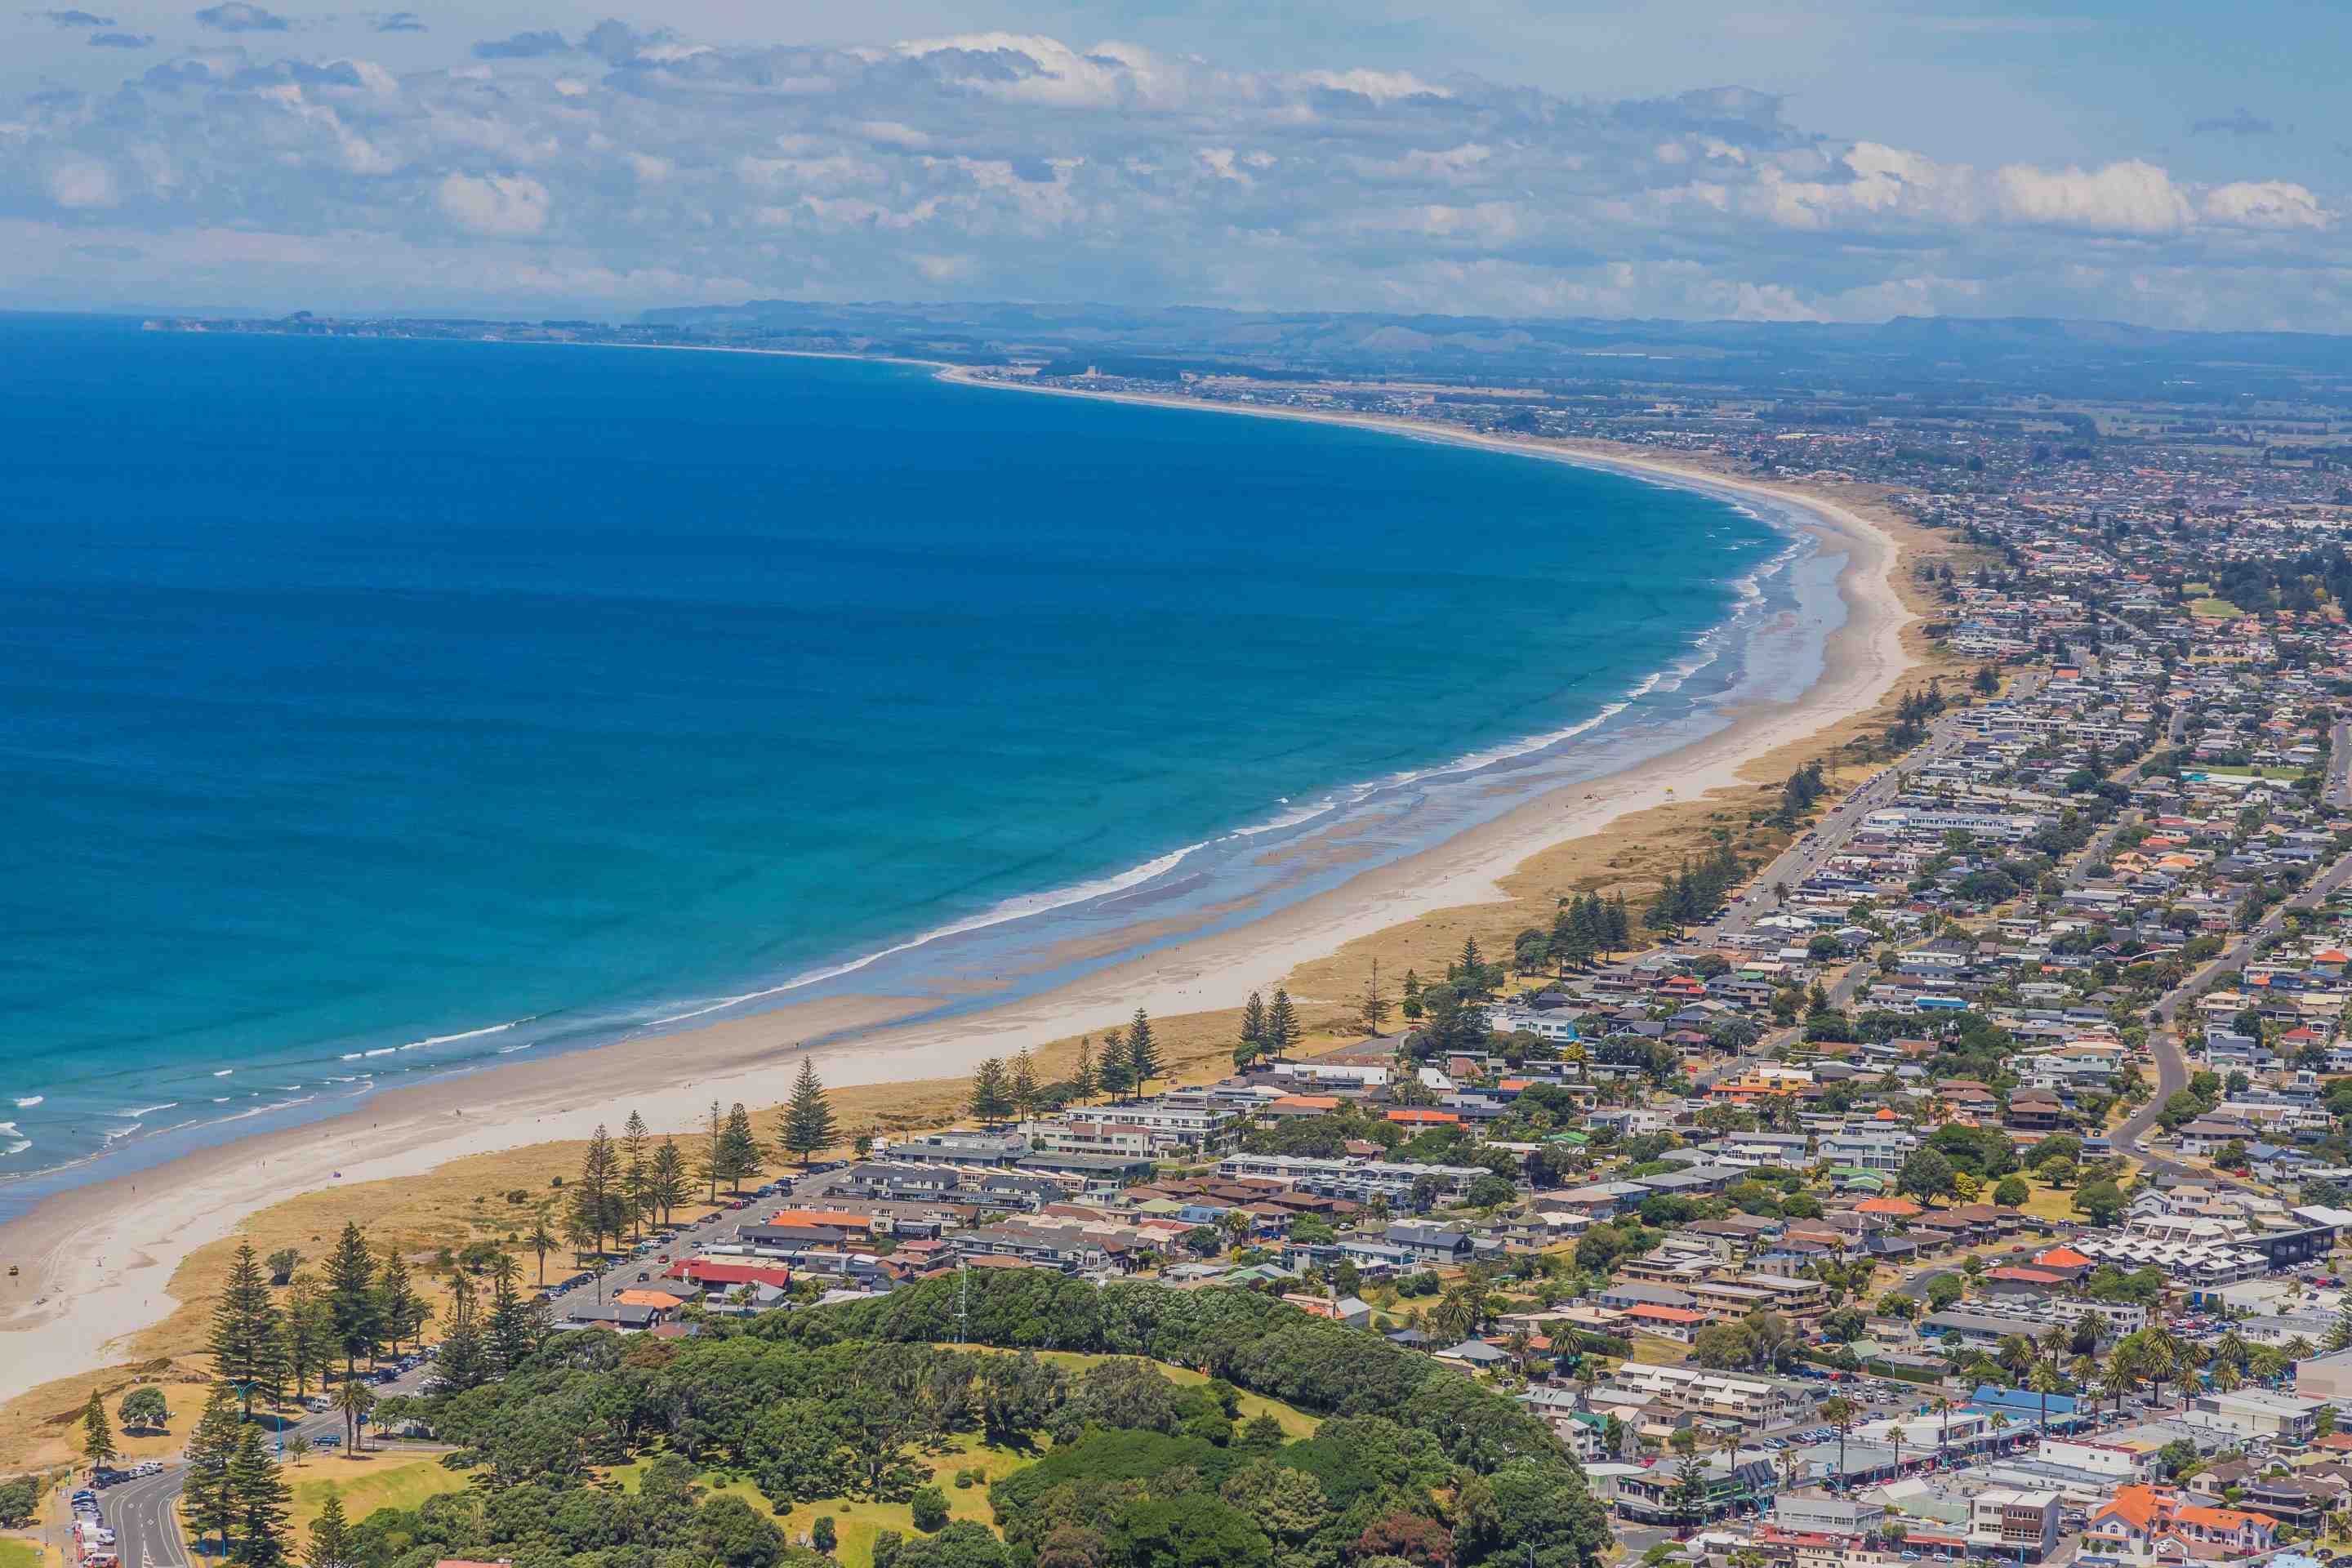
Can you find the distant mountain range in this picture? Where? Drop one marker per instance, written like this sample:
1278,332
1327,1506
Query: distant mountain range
2091,356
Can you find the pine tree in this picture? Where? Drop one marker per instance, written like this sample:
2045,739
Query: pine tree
1281,1026
1373,1012
1116,1072
309,1333
508,1336
96,1433
636,1175
463,1361
260,1502
247,1346
1083,1084
352,1304
808,1125
211,1505
710,1165
991,1103
670,1183
593,1195
1143,1051
331,1545
1022,1085
405,1313
1412,1004
746,1155
1252,1044
1620,926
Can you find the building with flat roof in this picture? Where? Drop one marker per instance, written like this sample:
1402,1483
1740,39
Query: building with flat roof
2004,1521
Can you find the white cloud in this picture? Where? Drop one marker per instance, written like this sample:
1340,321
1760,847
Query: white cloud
504,205
2129,198
82,183
1380,87
2266,204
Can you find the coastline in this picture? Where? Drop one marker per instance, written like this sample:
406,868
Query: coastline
98,1260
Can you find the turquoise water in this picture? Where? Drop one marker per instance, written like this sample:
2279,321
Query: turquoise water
369,708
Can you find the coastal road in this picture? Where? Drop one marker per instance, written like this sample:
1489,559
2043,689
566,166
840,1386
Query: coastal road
143,1514
2164,1037
2337,789
1826,841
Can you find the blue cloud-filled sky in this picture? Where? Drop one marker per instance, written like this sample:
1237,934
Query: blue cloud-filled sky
2164,162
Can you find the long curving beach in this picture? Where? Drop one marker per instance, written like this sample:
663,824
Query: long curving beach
96,1262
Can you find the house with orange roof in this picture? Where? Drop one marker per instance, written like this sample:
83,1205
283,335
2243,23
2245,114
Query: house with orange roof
2150,1522
1893,1208
1422,1116
1678,1323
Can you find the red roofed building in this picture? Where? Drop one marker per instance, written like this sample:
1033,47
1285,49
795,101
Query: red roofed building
1421,1116
721,1274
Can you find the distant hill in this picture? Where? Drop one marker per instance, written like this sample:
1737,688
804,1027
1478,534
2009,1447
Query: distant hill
2067,357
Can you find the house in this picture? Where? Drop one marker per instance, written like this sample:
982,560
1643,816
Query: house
1431,1243
2146,1522
2003,1522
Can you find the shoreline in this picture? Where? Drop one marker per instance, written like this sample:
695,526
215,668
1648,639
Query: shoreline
98,1258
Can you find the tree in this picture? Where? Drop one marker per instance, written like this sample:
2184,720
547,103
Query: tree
929,1506
353,1308
245,1344
405,1313
541,1238
668,1184
2012,1193
822,1534
1250,1043
1925,1174
808,1125
96,1433
991,1099
331,1545
1028,1099
1115,1072
260,1502
711,1164
746,1155
1143,1049
2102,1202
145,1409
296,1448
595,1196
1840,1413
1282,1030
354,1399
510,1335
1373,1012
636,1173
283,1264
1084,1085
211,1504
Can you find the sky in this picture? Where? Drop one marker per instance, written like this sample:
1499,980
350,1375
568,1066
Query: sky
2166,162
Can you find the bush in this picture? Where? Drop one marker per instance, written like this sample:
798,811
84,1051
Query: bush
822,1534
930,1507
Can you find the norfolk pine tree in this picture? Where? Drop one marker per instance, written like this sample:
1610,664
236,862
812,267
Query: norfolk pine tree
808,1124
96,1433
1143,1051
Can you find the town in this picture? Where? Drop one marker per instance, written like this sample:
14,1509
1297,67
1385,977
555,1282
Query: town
1962,1175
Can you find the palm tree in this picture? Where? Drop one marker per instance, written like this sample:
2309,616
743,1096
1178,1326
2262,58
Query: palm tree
2268,1363
1839,1412
2083,1371
1789,1465
1728,1444
2225,1377
2121,1375
354,1399
2000,1424
1894,1435
2045,1380
2017,1354
543,1239
1943,1408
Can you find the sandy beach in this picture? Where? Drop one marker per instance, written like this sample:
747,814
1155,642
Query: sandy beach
95,1263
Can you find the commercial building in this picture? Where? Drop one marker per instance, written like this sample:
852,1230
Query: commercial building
2006,1523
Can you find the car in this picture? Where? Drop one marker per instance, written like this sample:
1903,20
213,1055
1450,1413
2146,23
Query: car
327,1440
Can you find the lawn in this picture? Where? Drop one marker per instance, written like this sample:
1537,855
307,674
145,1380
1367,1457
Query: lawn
2238,771
17,1553
2210,608
1653,1350
367,1483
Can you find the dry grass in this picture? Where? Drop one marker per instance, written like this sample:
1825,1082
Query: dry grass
366,1482
468,1199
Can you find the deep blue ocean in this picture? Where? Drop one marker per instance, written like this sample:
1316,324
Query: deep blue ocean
369,708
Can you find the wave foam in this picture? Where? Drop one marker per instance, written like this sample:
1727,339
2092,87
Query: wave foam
29,1102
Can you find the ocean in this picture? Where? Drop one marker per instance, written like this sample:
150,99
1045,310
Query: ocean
378,708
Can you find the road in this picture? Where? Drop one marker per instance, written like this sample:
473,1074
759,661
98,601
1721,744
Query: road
2337,789
1814,851
141,1512
2164,1037
621,1273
